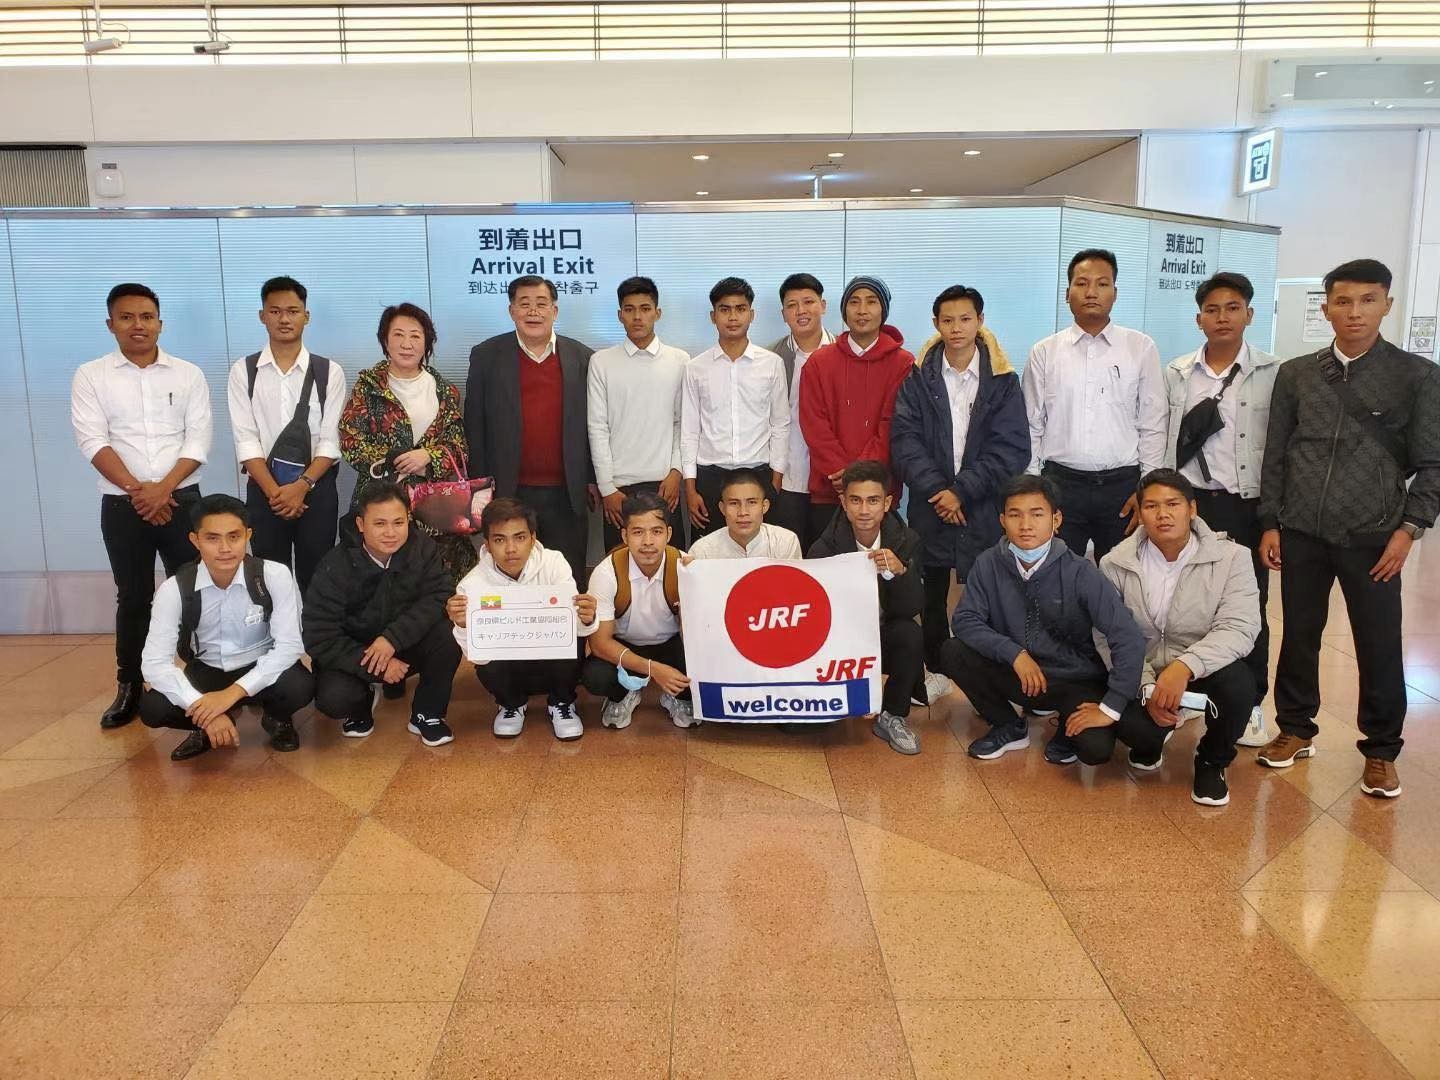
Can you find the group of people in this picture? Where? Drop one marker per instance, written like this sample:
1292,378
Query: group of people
1191,481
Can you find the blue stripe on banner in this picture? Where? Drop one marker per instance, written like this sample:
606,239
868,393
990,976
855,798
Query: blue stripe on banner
801,702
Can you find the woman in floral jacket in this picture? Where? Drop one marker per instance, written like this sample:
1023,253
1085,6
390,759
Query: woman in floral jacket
391,402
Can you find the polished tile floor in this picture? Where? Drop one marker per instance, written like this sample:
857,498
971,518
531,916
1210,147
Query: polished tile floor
723,903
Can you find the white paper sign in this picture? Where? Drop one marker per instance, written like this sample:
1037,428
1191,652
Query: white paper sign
771,641
1317,327
520,622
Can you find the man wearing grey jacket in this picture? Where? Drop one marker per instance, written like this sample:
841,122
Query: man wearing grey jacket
1194,597
1349,425
1219,400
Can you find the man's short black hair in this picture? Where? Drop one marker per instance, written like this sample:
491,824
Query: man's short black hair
381,491
796,282
130,288
1029,484
742,476
499,511
526,281
1360,272
1170,478
731,286
1093,253
640,504
865,472
638,286
283,283
410,311
959,292
1225,279
218,503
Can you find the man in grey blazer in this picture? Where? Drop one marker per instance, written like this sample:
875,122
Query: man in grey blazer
525,419
1225,466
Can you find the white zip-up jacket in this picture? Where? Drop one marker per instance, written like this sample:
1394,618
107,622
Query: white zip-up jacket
543,567
1252,390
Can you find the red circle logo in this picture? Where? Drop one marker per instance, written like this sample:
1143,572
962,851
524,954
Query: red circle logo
777,616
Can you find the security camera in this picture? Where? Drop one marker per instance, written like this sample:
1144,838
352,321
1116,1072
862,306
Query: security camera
213,46
104,44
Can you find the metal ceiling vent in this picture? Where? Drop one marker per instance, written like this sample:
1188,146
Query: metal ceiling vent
43,176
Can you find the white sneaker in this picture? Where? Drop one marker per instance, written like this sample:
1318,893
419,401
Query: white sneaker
936,687
377,695
1255,730
509,723
680,710
1043,714
566,721
617,714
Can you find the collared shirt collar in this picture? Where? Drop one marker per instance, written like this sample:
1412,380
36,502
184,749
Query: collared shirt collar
826,338
857,349
950,371
870,547
754,541
383,565
537,357
1242,358
721,354
1078,335
631,349
1335,348
302,362
162,359
637,573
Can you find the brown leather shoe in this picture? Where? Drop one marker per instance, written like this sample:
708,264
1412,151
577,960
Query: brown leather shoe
1380,779
1283,751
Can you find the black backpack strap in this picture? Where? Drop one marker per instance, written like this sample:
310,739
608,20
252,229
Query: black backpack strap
320,369
189,610
254,570
252,368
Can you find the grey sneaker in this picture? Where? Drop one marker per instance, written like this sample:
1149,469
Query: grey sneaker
682,714
895,731
617,714
1254,733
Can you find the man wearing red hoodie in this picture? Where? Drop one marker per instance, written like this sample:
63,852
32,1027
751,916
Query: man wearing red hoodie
847,394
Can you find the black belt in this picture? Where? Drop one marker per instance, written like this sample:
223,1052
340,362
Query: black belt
187,491
1128,473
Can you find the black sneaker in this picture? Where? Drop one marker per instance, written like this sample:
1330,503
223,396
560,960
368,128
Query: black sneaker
1001,739
433,730
281,730
1060,750
357,727
1210,788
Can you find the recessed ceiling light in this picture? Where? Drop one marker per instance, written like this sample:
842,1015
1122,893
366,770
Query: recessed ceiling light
1429,82
1321,74
1389,106
916,190
836,154
699,157
702,193
1287,94
972,153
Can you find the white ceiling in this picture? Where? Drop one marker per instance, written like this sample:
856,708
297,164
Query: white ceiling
878,168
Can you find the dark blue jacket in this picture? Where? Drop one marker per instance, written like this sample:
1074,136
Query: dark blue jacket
1053,617
997,447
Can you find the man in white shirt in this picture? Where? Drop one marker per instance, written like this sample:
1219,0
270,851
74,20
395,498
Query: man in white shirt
802,305
513,556
285,405
235,622
743,505
633,387
1224,443
142,419
637,619
735,410
1096,403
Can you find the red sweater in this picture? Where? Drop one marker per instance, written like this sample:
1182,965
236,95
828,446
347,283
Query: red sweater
542,409
846,403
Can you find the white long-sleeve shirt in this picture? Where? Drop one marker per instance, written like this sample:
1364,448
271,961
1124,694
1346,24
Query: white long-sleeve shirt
257,421
734,412
630,393
797,455
151,416
1096,403
232,633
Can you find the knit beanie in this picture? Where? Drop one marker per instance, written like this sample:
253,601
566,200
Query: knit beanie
869,281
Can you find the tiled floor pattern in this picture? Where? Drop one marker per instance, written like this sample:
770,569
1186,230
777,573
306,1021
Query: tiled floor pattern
723,903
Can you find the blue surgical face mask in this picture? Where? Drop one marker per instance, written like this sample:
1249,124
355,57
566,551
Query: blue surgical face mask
628,679
1030,558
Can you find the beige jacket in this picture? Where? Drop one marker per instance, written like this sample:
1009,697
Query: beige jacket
1214,615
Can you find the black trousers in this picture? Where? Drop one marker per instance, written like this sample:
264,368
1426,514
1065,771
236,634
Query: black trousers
1238,518
513,681
902,660
792,511
435,659
612,534
709,479
601,679
1309,568
308,537
559,526
282,699
1091,503
131,545
935,616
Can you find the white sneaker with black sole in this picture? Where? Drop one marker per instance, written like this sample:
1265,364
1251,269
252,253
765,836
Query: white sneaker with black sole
566,721
617,714
1254,734
433,730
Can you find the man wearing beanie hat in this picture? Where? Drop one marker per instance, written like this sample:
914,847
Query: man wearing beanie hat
847,393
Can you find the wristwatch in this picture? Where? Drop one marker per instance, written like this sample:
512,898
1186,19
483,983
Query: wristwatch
1415,532
311,483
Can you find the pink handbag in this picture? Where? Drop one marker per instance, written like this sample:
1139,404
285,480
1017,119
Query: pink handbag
452,506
